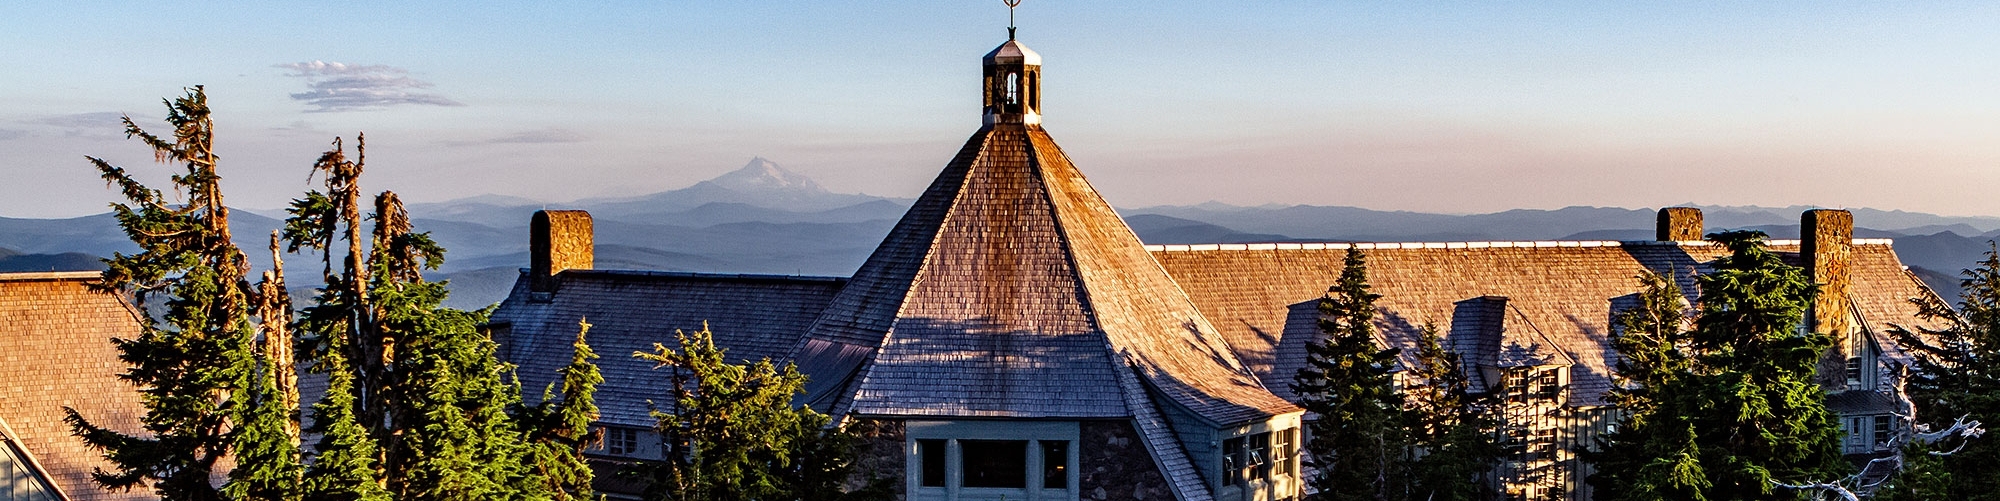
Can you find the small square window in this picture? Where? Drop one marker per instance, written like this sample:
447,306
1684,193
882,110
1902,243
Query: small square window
621,441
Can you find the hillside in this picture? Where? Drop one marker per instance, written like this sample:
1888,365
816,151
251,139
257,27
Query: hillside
764,219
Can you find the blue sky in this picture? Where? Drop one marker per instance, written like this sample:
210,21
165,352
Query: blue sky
1450,107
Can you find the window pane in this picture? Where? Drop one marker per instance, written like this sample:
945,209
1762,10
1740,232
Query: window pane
1260,455
931,453
1232,460
995,463
1281,450
1055,464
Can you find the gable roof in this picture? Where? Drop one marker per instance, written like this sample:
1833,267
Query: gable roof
753,317
1565,290
56,352
22,477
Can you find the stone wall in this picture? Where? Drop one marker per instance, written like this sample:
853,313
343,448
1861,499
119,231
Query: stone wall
1115,465
881,456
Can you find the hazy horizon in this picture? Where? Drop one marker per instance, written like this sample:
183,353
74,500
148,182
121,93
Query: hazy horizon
1444,108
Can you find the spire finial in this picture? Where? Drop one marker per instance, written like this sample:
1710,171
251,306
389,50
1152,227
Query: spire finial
1011,4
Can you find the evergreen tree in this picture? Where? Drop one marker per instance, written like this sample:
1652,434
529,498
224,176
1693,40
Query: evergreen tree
425,388
345,468
1652,347
1449,426
1957,373
208,390
732,433
1358,443
560,429
1740,411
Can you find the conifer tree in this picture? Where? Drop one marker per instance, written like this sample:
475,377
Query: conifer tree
1358,443
346,467
1730,408
560,429
208,390
1449,426
1957,373
732,433
425,387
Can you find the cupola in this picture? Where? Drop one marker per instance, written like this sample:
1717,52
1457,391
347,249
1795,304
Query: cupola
1013,84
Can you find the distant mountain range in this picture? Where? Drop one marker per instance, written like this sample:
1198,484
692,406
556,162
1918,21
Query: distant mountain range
764,219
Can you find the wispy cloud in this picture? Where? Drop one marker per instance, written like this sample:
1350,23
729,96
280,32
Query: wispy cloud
539,136
333,86
100,123
6,134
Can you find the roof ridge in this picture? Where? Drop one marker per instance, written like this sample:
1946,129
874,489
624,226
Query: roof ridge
1495,244
701,275
49,275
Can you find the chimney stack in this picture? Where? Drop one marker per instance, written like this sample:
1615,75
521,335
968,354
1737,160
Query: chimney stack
558,240
1678,224
1826,246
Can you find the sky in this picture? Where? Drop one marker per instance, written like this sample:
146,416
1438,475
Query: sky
1434,106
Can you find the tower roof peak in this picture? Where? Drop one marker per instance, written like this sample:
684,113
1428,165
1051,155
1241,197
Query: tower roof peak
1013,52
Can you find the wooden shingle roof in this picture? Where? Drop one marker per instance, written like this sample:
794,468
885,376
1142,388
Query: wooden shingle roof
753,317
1262,295
56,352
1011,289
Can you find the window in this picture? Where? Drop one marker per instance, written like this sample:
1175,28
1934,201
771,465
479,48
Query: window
1013,88
621,441
995,463
1548,384
931,454
1854,433
1517,385
1055,464
1260,455
1882,431
1854,373
1284,446
1232,461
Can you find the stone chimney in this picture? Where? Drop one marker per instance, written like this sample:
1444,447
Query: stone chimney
1826,248
557,240
1679,224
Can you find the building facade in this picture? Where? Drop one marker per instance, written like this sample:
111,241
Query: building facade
1011,338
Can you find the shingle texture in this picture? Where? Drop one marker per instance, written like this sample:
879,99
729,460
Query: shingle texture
56,352
1007,291
1261,296
753,317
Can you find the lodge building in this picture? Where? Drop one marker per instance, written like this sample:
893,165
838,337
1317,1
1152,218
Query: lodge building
1011,338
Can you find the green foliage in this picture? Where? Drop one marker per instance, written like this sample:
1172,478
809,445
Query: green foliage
732,433
560,428
1924,477
1449,426
1956,375
1359,441
424,409
207,390
1728,407
346,467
